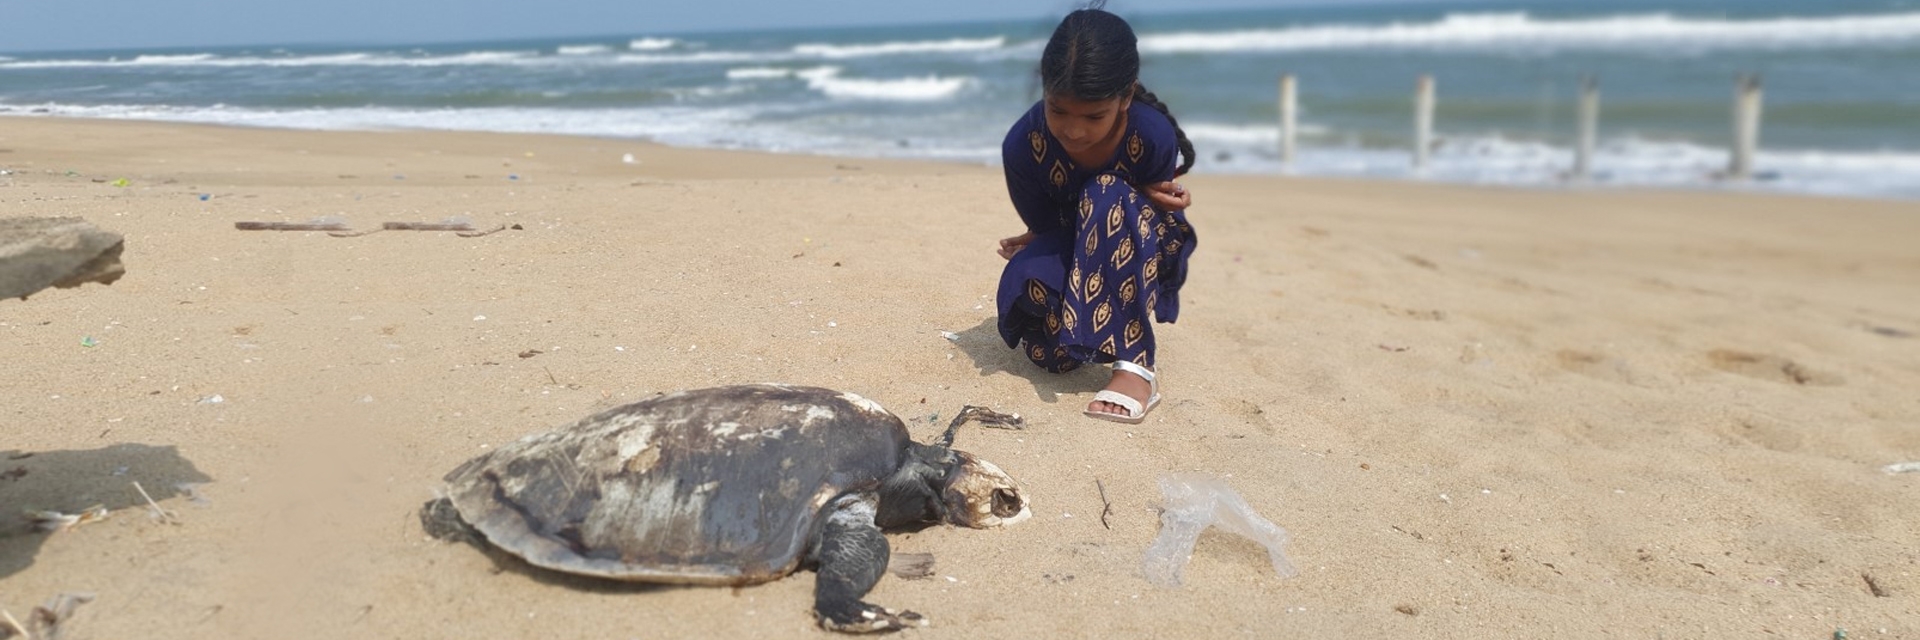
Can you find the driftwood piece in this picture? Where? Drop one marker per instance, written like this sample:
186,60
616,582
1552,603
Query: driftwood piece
291,226
476,234
341,230
427,226
41,252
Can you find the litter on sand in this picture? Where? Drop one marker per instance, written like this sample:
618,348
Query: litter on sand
48,521
1194,502
460,228
1902,467
154,510
43,623
317,224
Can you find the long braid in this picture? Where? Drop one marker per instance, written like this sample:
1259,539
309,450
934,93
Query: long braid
1141,93
1094,56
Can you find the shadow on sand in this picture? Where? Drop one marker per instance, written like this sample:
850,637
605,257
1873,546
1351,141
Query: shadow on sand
991,355
76,481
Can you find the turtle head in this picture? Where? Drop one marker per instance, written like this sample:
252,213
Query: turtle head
979,495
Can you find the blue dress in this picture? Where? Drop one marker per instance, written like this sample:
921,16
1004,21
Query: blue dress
1104,264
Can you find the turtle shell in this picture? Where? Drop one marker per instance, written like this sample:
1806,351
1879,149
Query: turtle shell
711,486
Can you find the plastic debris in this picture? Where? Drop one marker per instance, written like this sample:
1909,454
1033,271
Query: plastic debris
1902,467
213,399
205,196
57,521
43,623
121,182
192,490
1194,502
88,341
628,159
955,337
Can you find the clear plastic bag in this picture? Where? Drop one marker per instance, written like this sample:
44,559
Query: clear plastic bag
1195,501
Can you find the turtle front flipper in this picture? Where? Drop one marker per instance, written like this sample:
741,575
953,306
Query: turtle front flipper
851,555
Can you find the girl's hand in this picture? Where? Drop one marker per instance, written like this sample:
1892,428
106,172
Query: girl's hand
1013,245
1169,196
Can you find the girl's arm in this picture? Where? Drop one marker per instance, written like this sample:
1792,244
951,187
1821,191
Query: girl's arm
1163,159
1024,179
1169,196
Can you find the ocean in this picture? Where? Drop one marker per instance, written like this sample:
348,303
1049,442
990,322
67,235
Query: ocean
1841,81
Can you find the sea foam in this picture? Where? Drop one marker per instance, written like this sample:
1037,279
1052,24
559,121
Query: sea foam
582,49
651,44
1656,32
1249,149
835,51
758,73
827,80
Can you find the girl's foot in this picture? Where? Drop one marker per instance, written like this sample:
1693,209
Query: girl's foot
1125,383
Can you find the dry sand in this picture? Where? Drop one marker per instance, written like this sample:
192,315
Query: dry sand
1481,413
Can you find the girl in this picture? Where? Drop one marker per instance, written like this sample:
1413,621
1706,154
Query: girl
1089,169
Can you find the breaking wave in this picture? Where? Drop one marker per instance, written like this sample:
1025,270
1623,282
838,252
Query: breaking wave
1523,32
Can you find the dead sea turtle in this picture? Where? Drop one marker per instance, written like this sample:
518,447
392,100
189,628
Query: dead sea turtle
729,486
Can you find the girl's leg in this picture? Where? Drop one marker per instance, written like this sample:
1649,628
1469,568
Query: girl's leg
1030,301
1112,284
1041,340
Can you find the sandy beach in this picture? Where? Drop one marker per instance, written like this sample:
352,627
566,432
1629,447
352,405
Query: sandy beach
1479,412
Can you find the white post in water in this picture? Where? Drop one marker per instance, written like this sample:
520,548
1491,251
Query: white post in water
1422,121
1287,120
1589,128
1746,127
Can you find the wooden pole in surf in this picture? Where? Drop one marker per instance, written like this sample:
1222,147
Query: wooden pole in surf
1422,121
1288,112
1589,128
1746,127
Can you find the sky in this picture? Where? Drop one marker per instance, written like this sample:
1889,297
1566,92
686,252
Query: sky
60,25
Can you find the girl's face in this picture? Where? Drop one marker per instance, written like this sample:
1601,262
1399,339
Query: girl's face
1081,125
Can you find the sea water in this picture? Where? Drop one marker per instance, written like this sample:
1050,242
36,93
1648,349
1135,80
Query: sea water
1841,80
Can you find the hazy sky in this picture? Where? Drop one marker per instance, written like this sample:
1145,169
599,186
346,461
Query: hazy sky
37,25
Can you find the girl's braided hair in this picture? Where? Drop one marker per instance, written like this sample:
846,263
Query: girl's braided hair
1093,56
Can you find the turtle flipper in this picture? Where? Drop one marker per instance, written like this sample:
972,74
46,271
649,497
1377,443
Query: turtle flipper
852,555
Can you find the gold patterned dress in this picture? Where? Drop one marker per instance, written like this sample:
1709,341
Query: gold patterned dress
1104,264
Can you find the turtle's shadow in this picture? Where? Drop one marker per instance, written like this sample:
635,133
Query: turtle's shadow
73,482
991,355
504,562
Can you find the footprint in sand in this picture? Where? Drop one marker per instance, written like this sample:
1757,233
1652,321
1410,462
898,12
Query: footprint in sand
1247,412
1768,433
1770,368
1594,366
1435,315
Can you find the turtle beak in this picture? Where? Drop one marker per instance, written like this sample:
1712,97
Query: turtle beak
980,495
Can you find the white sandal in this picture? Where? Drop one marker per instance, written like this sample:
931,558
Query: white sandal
1135,413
